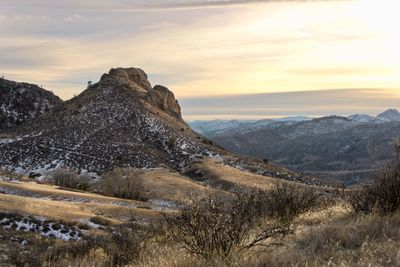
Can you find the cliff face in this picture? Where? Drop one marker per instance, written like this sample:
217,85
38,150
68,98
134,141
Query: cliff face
159,97
22,102
118,122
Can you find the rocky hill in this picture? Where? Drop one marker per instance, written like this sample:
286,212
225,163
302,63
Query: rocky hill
120,121
343,149
21,102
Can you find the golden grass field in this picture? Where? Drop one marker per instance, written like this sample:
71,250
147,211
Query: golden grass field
331,235
48,202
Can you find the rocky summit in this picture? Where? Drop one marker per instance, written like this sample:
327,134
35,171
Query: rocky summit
21,102
118,122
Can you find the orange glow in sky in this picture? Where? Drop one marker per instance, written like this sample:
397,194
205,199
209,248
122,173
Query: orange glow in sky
204,50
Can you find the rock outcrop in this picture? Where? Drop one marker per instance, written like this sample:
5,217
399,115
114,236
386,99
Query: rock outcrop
159,97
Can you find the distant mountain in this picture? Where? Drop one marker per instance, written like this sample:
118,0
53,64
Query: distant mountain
295,118
21,102
213,126
343,149
390,114
362,118
217,125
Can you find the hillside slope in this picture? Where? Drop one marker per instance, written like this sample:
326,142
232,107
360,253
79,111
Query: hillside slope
120,121
21,102
343,149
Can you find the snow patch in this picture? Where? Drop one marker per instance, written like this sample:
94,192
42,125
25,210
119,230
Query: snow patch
163,205
42,227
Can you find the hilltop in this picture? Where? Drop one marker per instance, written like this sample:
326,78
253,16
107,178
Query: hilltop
120,121
22,102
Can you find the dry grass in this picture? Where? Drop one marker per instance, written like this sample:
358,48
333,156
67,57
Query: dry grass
218,175
92,205
44,208
352,241
225,177
331,235
382,195
55,191
164,184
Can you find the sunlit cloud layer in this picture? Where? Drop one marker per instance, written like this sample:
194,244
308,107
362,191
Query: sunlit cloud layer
203,48
308,103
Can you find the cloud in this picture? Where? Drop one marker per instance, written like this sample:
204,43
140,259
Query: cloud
337,71
135,5
234,49
74,18
309,103
214,3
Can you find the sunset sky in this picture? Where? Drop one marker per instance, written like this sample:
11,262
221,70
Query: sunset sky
212,49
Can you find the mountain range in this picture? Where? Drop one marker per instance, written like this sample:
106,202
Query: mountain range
340,149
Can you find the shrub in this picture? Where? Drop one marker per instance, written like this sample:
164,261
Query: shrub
382,195
208,142
211,227
32,256
124,183
120,246
66,177
100,221
125,244
287,201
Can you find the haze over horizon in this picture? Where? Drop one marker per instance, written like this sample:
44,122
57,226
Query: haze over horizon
319,103
216,52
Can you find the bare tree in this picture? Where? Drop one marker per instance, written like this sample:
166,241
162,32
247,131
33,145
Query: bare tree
287,201
210,226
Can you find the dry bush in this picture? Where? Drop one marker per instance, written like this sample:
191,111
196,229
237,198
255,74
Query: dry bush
65,177
288,201
382,195
42,251
212,227
32,255
12,175
100,221
125,245
124,183
119,246
356,241
350,240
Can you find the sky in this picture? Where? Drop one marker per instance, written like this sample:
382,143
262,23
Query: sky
315,103
214,50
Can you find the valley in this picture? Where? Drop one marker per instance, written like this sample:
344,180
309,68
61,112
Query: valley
345,150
